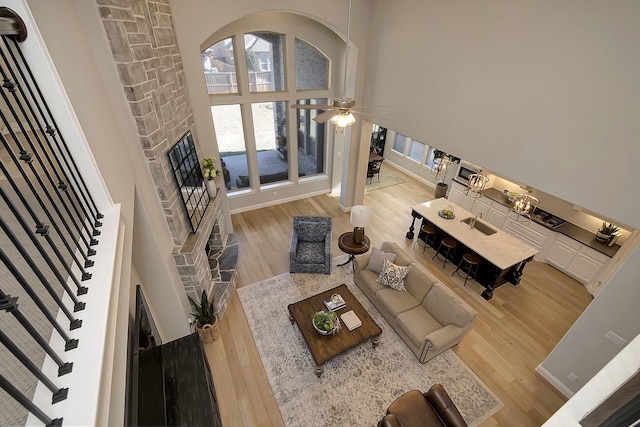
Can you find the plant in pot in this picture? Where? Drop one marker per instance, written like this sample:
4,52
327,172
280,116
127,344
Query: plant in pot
206,321
210,172
606,232
326,322
440,170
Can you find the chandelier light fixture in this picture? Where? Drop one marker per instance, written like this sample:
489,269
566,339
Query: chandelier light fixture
477,182
523,206
439,171
343,119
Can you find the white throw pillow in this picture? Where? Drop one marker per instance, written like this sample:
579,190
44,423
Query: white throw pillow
393,275
377,256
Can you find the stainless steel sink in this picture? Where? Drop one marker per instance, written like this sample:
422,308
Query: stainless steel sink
480,226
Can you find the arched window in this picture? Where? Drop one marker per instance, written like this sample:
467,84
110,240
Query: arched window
261,140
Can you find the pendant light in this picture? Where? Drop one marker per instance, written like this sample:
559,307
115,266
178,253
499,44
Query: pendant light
439,171
523,206
477,182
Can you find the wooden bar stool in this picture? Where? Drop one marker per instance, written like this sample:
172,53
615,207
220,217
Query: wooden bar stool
426,237
446,249
469,264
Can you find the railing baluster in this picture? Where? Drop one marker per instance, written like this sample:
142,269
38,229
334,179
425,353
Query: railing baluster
58,393
77,305
52,131
10,305
24,401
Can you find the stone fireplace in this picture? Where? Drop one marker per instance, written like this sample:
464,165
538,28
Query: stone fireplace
207,259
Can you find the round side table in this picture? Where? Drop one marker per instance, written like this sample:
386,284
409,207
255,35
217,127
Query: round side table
348,246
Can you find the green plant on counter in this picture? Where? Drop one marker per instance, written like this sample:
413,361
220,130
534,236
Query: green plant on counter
437,154
608,228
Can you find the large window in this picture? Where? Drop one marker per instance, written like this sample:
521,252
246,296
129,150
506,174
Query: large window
414,150
251,96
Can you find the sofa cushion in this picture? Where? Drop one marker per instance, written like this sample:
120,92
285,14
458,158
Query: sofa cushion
393,275
369,279
402,258
447,307
395,302
310,252
418,281
417,323
312,231
377,256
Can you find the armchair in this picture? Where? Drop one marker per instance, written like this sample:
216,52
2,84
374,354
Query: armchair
415,409
310,250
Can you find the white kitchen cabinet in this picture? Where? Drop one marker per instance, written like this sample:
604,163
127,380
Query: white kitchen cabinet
529,232
586,264
482,206
577,260
497,214
458,196
562,251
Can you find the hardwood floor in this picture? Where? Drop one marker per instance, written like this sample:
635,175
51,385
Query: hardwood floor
512,334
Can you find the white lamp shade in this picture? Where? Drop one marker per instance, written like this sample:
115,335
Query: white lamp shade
360,216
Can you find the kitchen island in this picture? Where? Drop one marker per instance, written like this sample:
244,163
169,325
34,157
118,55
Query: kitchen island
503,257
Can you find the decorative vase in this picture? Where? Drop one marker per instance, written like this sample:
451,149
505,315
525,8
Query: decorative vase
209,332
601,237
441,190
211,188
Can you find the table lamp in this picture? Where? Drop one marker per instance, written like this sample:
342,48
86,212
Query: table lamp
360,216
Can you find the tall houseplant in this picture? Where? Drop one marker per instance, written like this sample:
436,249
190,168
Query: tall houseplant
206,321
210,172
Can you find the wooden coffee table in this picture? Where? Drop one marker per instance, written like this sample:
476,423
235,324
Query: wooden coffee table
325,347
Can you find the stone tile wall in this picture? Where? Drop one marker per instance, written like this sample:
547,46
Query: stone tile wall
149,64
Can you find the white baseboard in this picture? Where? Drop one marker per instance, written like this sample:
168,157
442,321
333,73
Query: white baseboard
408,172
554,381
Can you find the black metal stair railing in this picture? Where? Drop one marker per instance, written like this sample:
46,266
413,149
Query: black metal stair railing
49,224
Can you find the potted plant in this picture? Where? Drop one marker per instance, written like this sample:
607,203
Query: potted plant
210,172
326,322
206,321
442,187
606,232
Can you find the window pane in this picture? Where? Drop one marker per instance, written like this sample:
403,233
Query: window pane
311,139
233,154
415,150
265,64
219,68
270,130
429,160
400,143
311,67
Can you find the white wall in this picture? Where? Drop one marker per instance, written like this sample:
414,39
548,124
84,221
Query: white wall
543,92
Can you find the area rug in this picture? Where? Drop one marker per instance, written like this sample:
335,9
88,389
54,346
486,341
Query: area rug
356,387
387,179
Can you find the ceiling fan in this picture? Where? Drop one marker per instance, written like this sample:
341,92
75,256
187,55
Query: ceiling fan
341,110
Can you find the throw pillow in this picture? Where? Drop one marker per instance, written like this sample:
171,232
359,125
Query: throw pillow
377,256
393,275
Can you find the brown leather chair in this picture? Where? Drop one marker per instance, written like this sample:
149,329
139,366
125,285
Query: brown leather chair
416,409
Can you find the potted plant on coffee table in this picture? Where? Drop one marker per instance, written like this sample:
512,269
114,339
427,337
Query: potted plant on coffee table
210,172
606,232
206,321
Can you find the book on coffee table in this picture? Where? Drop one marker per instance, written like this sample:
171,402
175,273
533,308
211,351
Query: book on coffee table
336,302
351,320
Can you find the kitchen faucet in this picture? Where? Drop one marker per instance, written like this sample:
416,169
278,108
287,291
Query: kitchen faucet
472,223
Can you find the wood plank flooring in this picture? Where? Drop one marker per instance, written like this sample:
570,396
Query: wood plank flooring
512,334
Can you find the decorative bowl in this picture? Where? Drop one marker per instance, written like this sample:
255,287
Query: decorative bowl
326,322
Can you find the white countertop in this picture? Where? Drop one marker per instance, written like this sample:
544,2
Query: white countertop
501,249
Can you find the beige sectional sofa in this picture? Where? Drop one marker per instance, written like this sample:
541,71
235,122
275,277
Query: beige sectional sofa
428,316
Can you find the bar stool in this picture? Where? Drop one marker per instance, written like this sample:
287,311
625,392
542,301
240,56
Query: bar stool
447,249
426,237
469,264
